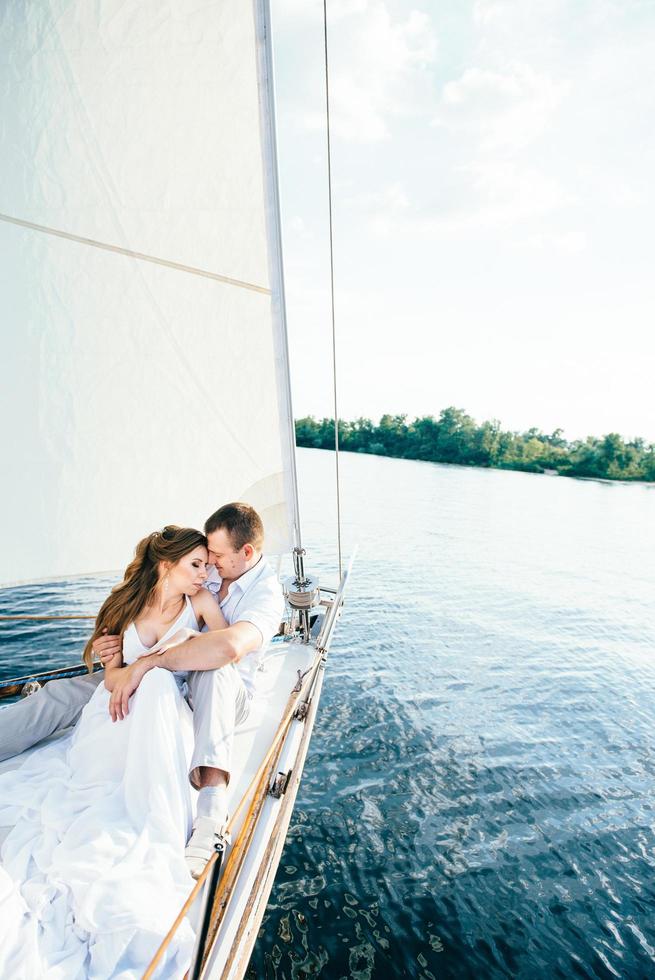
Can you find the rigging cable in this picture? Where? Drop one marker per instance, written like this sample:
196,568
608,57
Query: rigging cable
334,338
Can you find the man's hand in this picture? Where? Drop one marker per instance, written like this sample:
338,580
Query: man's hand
126,683
106,647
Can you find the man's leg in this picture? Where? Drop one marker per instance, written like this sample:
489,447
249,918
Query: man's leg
57,705
220,703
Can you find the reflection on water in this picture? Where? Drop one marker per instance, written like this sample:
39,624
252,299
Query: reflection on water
478,799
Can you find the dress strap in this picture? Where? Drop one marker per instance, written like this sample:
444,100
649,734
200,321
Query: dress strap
191,610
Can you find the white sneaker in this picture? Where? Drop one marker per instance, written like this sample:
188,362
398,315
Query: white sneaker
201,844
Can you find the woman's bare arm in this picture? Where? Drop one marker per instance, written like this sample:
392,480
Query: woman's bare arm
112,669
208,610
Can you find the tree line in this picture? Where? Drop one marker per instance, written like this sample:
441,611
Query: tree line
455,437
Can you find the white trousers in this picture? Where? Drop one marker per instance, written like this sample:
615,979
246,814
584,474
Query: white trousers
218,698
220,703
57,705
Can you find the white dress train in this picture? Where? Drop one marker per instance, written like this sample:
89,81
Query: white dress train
93,873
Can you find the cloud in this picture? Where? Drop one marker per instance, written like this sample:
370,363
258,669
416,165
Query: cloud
345,8
538,17
542,18
486,12
507,109
378,69
570,242
507,191
497,118
385,210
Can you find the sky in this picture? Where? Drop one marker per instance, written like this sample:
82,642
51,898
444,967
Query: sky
494,214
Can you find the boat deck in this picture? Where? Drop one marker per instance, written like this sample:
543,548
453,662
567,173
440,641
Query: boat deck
278,676
279,673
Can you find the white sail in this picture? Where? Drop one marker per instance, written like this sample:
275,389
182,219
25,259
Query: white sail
144,364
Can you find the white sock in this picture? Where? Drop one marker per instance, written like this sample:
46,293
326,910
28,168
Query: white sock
212,802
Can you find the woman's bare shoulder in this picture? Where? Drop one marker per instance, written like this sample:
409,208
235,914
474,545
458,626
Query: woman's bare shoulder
203,601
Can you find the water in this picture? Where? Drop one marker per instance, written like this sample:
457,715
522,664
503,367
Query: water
478,798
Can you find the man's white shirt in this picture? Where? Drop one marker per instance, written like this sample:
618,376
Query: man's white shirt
256,597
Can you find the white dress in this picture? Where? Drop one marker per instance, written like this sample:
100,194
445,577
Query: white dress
93,873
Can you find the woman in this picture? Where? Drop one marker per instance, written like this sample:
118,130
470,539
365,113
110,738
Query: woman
93,873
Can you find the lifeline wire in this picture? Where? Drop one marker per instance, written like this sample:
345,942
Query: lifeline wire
334,339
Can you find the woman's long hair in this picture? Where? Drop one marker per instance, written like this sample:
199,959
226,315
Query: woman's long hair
137,589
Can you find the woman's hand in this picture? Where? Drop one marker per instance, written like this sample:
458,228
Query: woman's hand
126,682
106,647
174,641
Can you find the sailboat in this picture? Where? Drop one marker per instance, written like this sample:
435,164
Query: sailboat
145,355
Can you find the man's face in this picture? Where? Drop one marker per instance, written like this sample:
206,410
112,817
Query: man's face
230,564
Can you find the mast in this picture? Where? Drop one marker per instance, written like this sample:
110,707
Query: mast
266,88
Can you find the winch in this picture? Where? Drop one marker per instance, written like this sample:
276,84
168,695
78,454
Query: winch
301,592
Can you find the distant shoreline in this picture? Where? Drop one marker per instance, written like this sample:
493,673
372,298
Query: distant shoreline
456,438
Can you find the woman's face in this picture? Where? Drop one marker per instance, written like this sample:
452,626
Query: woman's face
188,574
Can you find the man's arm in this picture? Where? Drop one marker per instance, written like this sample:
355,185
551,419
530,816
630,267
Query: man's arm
233,643
258,623
209,651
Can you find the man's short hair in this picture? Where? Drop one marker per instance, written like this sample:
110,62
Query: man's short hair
242,523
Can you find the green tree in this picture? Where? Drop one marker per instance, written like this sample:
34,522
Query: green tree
456,438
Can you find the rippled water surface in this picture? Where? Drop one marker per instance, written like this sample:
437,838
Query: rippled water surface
478,795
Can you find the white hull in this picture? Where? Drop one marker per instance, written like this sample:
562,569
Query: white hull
237,934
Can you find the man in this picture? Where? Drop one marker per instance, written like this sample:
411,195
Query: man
222,667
